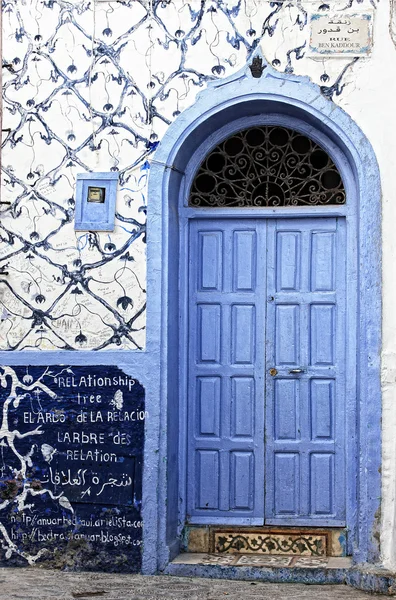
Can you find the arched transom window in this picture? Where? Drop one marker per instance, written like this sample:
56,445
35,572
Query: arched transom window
266,167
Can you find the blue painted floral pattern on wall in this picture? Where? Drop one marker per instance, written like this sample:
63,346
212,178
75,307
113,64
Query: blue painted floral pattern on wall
93,86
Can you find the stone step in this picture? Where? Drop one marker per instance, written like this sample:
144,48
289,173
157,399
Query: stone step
274,569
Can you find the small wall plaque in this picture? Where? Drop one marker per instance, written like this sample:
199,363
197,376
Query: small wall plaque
95,201
341,34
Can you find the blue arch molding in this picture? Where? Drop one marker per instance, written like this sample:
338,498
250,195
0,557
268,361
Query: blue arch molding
288,99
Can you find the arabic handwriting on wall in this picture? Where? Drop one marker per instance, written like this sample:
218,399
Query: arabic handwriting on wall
83,477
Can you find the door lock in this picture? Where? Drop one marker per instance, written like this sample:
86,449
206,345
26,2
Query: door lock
273,372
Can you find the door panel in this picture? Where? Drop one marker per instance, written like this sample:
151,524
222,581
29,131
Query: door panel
287,482
243,330
226,371
305,330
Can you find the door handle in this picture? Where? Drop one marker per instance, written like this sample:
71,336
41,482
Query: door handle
296,371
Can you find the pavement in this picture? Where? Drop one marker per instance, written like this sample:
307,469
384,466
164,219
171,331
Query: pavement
41,584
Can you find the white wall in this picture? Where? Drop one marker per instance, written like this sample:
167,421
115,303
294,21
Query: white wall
77,104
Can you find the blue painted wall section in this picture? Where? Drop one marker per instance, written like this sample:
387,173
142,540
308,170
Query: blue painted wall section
71,467
286,98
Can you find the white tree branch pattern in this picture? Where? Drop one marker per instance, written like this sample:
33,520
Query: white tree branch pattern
21,487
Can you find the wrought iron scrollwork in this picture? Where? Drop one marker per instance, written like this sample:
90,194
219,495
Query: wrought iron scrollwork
267,166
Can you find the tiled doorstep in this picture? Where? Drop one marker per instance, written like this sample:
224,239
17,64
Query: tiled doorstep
254,560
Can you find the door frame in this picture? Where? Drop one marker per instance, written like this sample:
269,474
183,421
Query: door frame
188,214
347,410
223,106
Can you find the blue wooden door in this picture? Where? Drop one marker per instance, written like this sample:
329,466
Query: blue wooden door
305,373
226,371
266,351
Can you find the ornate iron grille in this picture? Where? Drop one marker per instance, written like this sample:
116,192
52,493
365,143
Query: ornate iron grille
267,166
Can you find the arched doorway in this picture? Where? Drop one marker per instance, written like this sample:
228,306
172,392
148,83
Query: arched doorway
228,107
266,330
